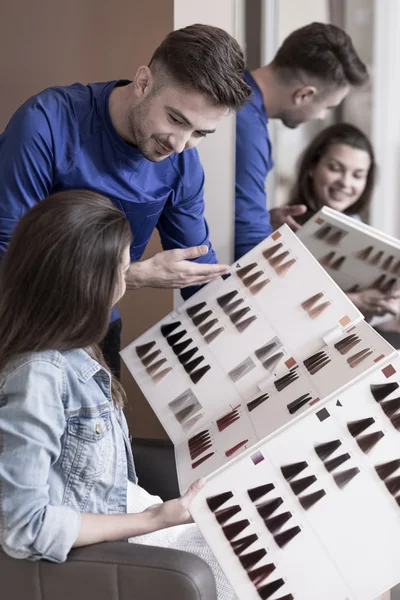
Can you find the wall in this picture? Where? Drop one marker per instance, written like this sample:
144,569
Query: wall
217,152
51,42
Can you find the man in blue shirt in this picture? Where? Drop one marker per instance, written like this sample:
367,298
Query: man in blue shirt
311,73
126,140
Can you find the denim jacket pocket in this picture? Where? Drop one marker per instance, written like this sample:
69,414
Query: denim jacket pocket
87,446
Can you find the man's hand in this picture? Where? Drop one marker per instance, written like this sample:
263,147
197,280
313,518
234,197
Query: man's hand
286,214
172,269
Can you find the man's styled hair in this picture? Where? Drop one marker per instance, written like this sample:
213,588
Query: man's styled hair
323,51
206,59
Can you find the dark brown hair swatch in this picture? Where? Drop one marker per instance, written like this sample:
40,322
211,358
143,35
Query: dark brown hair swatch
299,485
232,531
359,426
294,469
168,328
224,514
286,536
250,560
393,485
186,356
267,590
267,508
308,500
196,308
175,337
199,374
381,390
242,272
214,502
226,298
257,576
286,380
240,545
260,491
334,463
295,405
387,469
327,448
143,349
181,347
395,421
367,442
193,364
390,407
199,319
239,314
256,402
274,524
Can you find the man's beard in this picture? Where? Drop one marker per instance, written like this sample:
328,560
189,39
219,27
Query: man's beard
143,141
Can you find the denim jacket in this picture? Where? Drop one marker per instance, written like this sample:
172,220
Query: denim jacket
64,450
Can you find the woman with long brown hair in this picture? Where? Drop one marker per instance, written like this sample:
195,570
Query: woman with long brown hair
66,467
338,169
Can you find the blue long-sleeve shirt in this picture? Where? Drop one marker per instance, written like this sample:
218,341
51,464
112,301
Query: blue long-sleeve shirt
63,138
253,163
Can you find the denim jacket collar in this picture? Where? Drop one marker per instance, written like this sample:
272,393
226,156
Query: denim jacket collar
84,365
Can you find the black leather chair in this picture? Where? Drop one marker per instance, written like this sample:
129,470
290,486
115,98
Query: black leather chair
117,570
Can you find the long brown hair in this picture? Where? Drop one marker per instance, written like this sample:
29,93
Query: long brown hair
340,133
59,275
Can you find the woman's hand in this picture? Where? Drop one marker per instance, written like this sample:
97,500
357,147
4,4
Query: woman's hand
175,512
371,302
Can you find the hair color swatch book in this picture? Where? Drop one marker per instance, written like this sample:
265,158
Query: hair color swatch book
356,255
242,377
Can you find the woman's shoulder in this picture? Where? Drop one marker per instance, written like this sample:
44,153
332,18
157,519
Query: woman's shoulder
32,361
76,363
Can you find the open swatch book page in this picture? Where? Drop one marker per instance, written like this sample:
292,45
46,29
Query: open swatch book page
355,255
272,387
313,512
248,355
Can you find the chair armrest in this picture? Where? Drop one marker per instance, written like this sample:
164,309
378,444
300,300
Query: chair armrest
110,571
